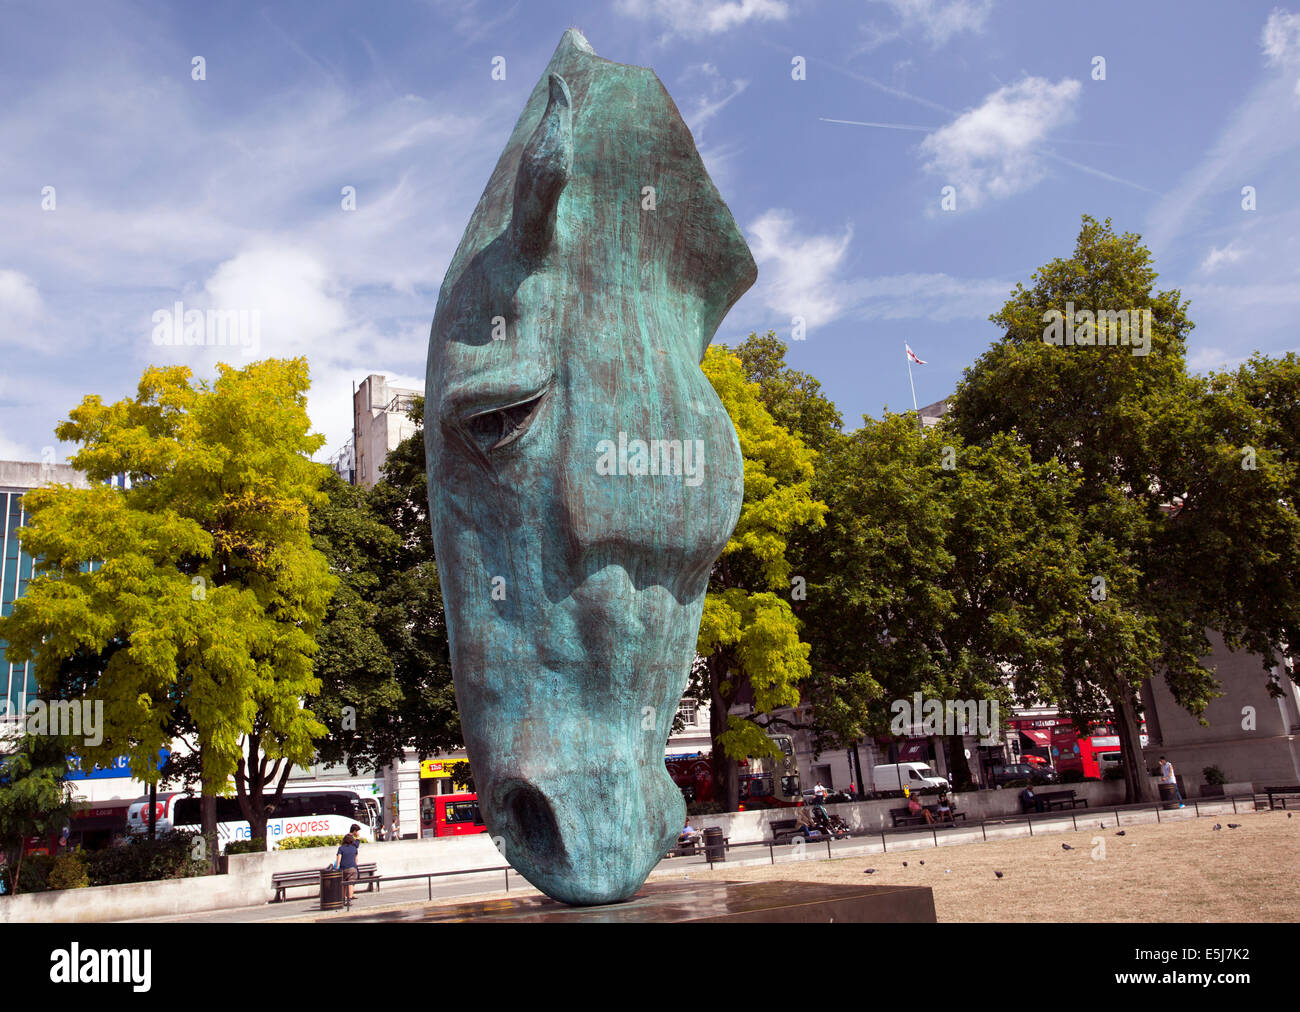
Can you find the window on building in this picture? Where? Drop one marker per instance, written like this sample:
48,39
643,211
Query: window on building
688,711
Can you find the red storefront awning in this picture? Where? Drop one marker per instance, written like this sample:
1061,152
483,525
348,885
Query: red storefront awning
916,750
1039,737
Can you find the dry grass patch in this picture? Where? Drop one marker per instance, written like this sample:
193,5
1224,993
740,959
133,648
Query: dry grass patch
1174,871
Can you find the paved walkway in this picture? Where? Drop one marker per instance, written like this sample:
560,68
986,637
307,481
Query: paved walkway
407,895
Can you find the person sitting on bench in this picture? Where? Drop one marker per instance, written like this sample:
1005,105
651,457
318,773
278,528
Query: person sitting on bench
1028,801
914,807
945,809
689,835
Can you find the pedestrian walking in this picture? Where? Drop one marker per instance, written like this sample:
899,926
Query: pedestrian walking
345,859
1167,777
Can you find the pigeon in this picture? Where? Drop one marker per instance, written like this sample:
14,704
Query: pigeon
869,871
1217,826
1120,833
1066,846
998,874
1234,825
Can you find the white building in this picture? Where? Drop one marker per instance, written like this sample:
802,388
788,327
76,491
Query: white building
379,423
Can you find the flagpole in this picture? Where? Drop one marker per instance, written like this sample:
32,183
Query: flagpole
909,379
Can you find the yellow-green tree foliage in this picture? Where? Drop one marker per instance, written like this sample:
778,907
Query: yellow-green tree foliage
189,598
748,633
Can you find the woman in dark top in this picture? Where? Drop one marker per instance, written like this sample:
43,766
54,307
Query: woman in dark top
346,859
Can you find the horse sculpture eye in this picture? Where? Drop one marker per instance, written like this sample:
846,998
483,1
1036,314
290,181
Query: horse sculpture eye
492,430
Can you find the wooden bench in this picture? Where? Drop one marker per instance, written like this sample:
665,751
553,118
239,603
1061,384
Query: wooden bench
1283,793
904,817
285,880
1060,799
785,830
694,846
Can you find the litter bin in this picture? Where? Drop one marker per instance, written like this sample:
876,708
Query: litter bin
1169,796
714,848
331,889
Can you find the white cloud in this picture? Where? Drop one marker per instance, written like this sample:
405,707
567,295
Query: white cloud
21,309
938,297
704,17
938,21
991,151
1217,359
1217,256
18,297
797,271
1280,38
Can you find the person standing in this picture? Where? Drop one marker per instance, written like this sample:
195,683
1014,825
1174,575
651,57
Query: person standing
1167,777
345,859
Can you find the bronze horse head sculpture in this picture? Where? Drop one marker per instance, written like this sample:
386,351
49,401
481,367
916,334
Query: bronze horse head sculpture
583,474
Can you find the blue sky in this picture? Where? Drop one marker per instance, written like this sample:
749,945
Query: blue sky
226,191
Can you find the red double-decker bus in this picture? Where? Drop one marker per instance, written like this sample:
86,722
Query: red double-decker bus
1072,752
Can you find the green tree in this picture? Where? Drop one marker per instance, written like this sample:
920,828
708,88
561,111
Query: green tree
1172,514
34,799
749,636
192,585
947,569
384,660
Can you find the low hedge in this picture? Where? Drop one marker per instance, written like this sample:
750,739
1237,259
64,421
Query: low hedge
170,855
256,846
137,860
303,842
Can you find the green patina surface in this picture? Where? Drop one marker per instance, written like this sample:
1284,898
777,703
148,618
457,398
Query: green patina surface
571,324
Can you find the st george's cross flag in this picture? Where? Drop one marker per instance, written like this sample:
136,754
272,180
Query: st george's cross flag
912,355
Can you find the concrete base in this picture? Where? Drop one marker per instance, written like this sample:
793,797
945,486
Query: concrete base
702,903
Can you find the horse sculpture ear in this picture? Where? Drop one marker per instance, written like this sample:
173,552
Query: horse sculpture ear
543,170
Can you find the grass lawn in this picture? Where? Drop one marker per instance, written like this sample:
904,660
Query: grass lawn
1174,871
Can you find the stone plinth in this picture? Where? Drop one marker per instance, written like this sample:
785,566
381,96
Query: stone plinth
703,903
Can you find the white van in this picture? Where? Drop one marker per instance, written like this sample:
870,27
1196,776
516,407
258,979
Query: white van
890,779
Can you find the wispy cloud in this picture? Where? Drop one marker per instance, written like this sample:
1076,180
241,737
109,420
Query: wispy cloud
1265,125
803,273
935,21
718,91
1217,256
797,269
992,151
697,18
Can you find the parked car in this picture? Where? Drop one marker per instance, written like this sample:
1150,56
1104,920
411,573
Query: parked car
1002,775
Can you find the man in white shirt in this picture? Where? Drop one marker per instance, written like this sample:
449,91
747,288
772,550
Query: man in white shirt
1167,777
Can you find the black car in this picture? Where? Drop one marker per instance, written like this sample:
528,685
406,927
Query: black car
1002,775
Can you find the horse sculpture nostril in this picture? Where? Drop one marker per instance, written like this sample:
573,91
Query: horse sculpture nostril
533,821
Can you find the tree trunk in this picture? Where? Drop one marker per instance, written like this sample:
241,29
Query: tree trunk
1137,785
249,778
726,785
958,766
208,827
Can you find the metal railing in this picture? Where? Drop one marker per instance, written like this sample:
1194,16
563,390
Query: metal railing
996,821
431,875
